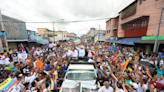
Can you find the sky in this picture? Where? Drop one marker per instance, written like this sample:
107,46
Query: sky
61,11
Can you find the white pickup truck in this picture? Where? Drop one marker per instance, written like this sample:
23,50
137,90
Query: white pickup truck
79,78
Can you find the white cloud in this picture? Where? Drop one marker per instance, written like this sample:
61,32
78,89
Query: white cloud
69,10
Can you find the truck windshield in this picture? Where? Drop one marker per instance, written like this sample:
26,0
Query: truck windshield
81,75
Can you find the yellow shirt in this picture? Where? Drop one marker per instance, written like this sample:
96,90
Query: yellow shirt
10,52
5,53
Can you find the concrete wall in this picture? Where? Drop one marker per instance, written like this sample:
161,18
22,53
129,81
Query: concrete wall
41,31
14,29
12,45
31,44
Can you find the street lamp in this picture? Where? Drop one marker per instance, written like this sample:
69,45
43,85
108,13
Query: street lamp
98,33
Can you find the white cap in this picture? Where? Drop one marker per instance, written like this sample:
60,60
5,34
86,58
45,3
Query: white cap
134,85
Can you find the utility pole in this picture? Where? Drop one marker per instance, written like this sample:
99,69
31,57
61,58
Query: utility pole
156,44
62,36
53,31
3,28
99,34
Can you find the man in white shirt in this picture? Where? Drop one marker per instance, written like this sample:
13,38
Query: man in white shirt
81,51
106,88
74,53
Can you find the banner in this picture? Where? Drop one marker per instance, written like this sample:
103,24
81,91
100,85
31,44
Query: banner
22,57
11,85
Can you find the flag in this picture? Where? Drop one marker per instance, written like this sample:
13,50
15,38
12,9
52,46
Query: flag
53,85
31,52
98,87
109,45
22,47
56,54
39,63
93,54
116,58
77,41
125,64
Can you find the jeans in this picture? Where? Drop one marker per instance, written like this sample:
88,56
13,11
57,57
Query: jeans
3,66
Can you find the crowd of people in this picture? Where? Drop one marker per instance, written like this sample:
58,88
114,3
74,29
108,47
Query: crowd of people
37,68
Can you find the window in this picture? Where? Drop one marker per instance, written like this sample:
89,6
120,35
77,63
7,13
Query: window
143,23
108,31
114,31
123,27
49,35
133,26
141,1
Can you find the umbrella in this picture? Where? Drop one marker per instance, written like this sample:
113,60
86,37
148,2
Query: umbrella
113,48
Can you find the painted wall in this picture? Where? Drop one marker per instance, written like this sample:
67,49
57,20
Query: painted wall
14,29
151,8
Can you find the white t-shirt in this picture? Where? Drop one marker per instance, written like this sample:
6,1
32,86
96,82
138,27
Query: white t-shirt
90,54
2,59
81,52
104,89
34,63
7,61
74,53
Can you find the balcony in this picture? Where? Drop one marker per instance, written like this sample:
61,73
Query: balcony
129,11
127,14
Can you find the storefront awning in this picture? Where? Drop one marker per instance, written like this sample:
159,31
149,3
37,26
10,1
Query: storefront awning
126,41
42,42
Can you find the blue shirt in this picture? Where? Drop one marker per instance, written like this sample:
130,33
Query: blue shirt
2,34
47,67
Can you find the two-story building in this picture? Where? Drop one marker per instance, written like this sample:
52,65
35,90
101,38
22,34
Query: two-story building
53,36
15,31
112,27
71,36
91,33
140,18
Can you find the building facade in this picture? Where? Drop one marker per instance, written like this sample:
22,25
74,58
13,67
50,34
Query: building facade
53,36
72,36
140,18
92,32
112,27
15,31
100,36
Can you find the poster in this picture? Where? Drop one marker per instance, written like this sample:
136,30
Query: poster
136,59
22,57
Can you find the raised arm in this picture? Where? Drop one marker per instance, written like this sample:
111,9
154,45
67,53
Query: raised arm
157,68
